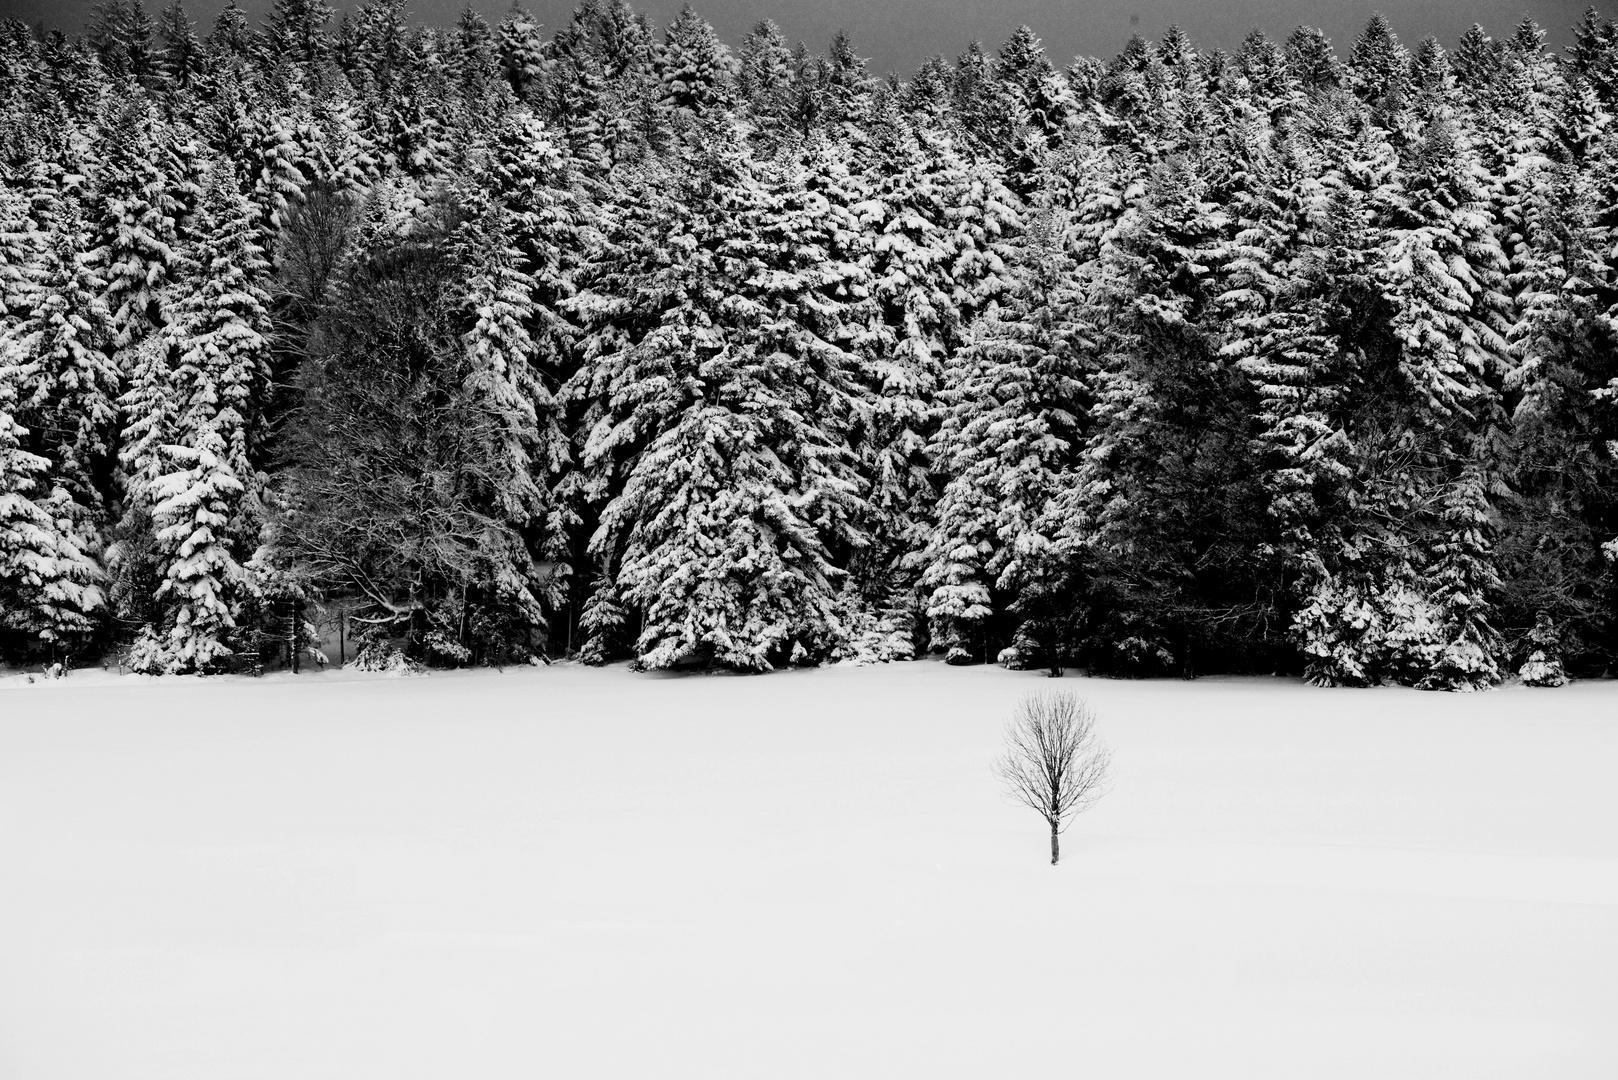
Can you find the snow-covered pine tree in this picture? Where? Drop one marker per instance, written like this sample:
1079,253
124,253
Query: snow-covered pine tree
1563,472
520,44
1270,83
1378,67
815,280
50,591
1543,666
475,65
342,161
1445,279
133,214
845,88
547,219
1163,505
701,398
1476,62
233,42
915,180
296,31
266,145
1022,66
1310,60
695,66
985,216
180,55
1013,398
192,440
22,248
577,94
121,33
1463,586
527,448
1593,55
764,74
60,388
1290,268
603,622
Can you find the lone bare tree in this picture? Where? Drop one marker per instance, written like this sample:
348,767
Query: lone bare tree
1054,762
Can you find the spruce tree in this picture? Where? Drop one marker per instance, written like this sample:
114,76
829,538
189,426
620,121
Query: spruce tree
60,388
193,439
181,57
702,418
50,587
694,64
1378,67
1013,396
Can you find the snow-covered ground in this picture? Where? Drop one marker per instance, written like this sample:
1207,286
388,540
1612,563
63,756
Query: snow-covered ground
573,873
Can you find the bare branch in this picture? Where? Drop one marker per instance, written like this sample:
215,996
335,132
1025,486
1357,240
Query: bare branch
1054,762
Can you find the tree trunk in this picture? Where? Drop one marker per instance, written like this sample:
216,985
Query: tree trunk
1055,846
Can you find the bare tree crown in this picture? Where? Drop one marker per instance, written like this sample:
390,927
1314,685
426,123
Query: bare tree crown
1054,762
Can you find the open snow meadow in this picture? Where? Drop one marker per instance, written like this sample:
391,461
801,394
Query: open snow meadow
568,872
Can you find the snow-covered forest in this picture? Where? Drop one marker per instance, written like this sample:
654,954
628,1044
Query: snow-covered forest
606,340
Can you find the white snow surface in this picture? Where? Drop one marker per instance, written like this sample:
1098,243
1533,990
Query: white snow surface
577,873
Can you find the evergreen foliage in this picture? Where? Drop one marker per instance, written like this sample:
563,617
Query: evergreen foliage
512,340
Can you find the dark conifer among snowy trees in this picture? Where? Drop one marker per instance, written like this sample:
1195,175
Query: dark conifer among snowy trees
613,343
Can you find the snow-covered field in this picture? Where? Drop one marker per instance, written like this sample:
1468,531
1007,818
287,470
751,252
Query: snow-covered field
568,873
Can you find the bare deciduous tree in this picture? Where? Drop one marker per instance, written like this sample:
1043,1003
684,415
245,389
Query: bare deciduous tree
1054,762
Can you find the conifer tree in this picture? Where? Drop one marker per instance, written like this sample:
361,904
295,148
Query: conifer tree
1593,54
1013,396
22,248
1477,61
59,389
1310,59
694,64
1464,585
192,441
521,49
702,398
134,216
916,325
296,31
180,56
764,69
1164,503
529,449
1543,667
1378,66
233,38
602,621
477,67
1561,467
50,593
121,34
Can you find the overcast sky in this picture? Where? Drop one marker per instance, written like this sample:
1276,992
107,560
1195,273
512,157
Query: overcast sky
899,34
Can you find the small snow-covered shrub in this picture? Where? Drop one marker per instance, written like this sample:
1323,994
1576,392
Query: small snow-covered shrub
1361,635
876,637
1134,657
958,656
1539,670
1544,664
447,648
385,658
1012,658
603,623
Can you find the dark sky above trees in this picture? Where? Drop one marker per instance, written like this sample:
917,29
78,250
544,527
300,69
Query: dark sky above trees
899,34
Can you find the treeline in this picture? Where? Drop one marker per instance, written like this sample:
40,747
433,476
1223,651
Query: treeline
609,342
